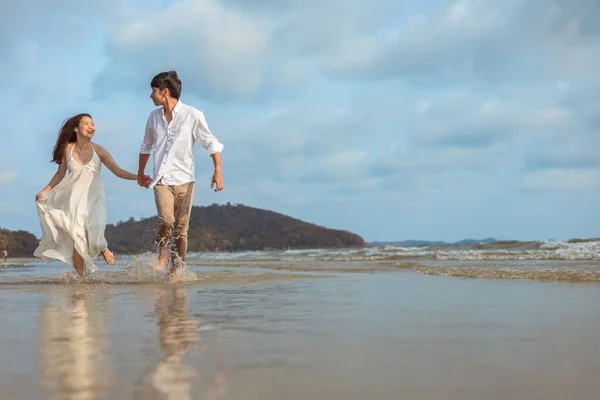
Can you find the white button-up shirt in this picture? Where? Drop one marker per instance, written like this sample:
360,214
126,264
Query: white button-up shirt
172,143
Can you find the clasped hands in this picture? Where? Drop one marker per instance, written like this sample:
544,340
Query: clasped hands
144,180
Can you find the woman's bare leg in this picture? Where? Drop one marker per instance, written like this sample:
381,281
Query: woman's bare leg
78,262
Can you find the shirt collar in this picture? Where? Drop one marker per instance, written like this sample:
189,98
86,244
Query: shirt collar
177,107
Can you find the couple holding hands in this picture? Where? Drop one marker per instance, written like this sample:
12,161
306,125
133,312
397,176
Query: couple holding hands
72,210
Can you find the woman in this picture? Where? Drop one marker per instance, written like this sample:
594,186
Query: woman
73,211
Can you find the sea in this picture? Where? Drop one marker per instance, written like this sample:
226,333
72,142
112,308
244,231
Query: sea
500,320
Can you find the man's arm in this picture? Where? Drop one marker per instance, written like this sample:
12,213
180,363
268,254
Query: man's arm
142,178
217,179
145,150
204,136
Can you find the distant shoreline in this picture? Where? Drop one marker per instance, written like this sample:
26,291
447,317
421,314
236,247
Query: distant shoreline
19,262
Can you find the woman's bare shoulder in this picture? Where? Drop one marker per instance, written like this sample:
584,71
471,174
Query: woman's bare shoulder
68,148
98,148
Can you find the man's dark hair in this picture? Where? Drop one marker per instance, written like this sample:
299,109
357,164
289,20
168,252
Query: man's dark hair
168,80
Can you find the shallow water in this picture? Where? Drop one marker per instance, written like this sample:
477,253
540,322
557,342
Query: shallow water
248,329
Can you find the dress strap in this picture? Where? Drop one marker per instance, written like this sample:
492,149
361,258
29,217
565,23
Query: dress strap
95,153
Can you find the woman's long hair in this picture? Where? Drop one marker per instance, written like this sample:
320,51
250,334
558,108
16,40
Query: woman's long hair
66,135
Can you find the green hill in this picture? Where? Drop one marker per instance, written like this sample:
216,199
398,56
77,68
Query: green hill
233,228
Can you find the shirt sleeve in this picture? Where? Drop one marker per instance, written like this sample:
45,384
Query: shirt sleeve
204,136
148,142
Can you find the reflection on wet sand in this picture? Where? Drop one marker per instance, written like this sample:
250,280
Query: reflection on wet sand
72,345
172,377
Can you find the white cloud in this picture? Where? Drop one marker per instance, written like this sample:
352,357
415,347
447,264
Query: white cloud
560,179
234,50
479,41
214,48
7,176
348,169
237,50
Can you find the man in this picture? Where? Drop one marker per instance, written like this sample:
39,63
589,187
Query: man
5,255
171,132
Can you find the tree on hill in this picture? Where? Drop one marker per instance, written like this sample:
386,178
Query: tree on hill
18,243
3,241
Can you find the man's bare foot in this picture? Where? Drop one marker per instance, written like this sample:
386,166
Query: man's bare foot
175,276
177,270
79,270
109,257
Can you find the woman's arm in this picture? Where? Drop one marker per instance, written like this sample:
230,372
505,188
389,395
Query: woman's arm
58,176
111,164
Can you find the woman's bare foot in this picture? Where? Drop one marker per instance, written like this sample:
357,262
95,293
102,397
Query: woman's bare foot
109,257
79,269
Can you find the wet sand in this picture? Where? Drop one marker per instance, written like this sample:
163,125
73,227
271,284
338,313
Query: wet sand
327,331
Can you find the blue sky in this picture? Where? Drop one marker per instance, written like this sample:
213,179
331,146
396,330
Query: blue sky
435,120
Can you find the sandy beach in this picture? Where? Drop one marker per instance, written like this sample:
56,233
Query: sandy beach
295,329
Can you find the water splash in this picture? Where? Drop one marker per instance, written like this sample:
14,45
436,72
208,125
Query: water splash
141,269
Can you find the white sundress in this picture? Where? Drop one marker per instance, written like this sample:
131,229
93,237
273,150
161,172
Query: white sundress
73,215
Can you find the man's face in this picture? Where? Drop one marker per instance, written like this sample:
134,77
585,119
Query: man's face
158,96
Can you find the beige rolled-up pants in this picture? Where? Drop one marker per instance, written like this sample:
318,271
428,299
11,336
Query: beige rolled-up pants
174,205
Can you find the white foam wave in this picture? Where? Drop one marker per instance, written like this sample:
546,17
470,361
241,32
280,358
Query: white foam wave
547,250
